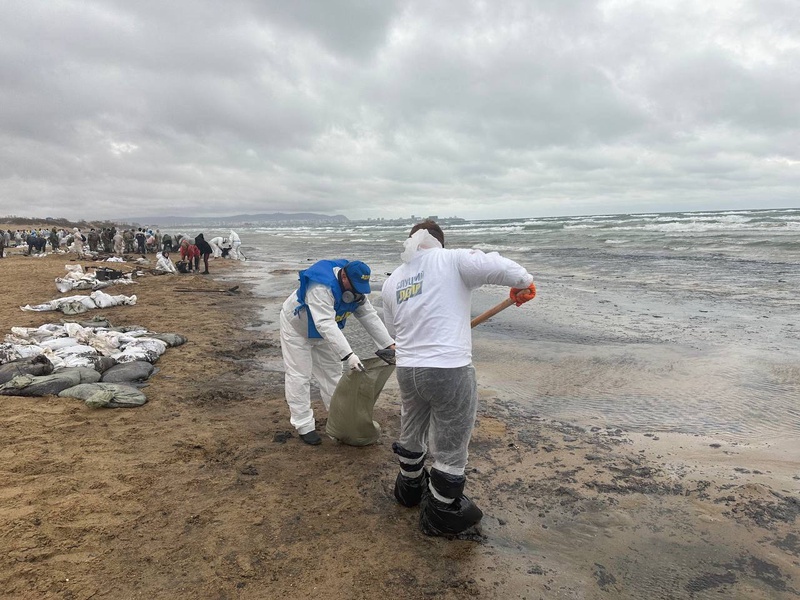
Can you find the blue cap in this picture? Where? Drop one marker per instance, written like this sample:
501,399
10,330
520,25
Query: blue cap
358,274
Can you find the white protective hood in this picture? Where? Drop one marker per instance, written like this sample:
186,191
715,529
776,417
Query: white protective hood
421,240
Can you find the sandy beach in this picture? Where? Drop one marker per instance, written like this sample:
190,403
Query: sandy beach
206,492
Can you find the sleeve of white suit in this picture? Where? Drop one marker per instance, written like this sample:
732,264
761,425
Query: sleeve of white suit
319,299
478,268
388,312
369,319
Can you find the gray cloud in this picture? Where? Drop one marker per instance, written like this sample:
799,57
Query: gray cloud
114,109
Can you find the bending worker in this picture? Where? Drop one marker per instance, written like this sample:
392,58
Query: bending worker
426,303
312,342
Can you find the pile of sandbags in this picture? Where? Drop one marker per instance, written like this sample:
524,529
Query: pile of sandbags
102,365
77,279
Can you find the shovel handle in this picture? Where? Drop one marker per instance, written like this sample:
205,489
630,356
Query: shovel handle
492,312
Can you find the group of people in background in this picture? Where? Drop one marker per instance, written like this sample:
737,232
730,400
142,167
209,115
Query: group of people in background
192,251
107,240
119,242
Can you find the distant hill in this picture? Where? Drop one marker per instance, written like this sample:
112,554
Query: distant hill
15,222
239,220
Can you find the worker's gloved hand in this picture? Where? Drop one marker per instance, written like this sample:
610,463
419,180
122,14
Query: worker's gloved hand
354,363
387,355
521,295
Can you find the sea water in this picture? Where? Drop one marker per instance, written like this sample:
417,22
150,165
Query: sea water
686,322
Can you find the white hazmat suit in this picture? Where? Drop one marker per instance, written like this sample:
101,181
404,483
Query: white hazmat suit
216,246
235,243
165,264
320,358
426,303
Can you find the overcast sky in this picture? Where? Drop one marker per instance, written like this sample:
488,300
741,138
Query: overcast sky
379,108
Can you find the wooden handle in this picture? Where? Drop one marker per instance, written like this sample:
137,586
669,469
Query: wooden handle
492,312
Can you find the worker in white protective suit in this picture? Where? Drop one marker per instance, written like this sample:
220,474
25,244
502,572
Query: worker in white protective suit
164,263
77,242
233,238
426,304
312,342
216,244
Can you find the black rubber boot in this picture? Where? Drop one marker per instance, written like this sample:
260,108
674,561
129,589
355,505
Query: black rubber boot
441,518
408,490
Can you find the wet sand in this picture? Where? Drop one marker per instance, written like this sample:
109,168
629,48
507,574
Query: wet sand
205,492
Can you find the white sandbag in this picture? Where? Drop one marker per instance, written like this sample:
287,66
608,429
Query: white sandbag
78,361
58,303
64,285
76,349
74,329
35,334
77,356
58,343
148,349
21,334
103,300
71,305
73,308
9,352
105,342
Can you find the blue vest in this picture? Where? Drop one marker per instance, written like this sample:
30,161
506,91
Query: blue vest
322,272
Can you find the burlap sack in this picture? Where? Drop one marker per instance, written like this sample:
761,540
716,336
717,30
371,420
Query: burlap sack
350,415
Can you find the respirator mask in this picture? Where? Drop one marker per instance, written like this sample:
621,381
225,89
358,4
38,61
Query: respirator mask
349,296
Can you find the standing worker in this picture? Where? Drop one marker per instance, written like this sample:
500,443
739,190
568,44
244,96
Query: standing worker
312,342
205,251
119,244
141,239
426,303
53,239
236,242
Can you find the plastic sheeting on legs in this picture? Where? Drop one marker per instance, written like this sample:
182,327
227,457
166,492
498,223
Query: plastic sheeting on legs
350,413
439,408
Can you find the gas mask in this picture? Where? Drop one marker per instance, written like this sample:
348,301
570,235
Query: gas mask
350,296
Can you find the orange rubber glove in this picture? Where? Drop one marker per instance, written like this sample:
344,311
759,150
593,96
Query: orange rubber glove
521,295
